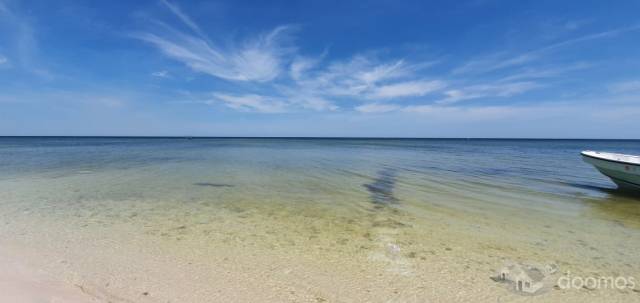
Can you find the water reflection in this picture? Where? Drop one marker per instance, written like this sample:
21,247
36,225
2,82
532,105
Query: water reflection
620,207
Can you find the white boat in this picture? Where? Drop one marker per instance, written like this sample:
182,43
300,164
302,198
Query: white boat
624,170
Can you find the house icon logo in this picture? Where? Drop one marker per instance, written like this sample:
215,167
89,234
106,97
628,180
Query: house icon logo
526,279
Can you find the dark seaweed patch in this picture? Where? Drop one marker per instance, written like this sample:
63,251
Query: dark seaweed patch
213,184
381,189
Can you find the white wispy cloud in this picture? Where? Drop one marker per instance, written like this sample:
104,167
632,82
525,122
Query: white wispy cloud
377,108
383,72
183,17
316,86
300,65
406,89
359,77
3,60
500,90
282,79
494,62
161,74
621,95
299,98
252,103
590,37
545,72
316,103
466,113
434,111
504,60
260,59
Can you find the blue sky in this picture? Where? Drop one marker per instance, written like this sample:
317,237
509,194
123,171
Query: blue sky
478,68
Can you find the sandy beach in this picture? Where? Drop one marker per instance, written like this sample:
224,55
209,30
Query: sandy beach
149,273
21,283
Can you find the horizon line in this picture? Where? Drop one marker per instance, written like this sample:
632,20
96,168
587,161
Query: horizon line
307,137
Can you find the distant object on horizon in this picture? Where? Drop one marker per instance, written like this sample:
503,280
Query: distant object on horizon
623,170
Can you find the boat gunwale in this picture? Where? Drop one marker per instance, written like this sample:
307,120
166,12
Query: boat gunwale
610,160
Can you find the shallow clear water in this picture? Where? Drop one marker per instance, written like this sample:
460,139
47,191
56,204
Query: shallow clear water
398,205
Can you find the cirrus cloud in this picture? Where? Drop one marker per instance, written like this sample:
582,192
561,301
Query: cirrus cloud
252,103
406,89
270,75
259,59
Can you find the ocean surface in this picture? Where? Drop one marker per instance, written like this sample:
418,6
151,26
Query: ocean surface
387,216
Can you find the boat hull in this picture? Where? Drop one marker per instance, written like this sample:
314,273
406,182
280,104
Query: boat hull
625,175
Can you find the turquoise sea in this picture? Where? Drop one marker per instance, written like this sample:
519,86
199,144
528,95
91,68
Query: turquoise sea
333,219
